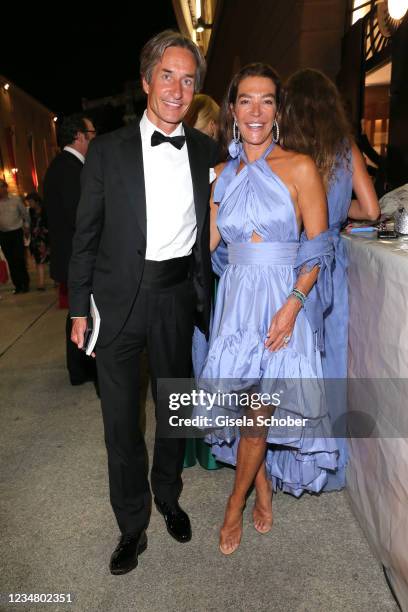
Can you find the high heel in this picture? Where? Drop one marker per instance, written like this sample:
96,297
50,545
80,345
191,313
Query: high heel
268,525
229,543
267,522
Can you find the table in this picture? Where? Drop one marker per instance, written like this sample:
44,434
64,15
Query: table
377,475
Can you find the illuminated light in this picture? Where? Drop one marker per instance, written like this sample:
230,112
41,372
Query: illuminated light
200,25
397,8
6,86
55,119
198,11
14,170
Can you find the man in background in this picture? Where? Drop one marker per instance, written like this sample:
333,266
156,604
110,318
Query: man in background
62,191
14,224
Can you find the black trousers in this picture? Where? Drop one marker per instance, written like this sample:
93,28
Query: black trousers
12,244
79,365
161,319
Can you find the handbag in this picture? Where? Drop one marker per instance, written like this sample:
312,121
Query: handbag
4,275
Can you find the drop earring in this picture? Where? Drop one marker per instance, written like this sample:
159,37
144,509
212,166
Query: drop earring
275,136
236,134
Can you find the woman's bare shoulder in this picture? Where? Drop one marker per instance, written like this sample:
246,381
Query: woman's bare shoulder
300,161
296,164
305,164
303,167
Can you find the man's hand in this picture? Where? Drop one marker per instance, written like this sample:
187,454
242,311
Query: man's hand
78,331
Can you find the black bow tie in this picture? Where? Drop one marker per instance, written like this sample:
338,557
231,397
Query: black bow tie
176,141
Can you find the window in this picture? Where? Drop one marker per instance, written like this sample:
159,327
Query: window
360,9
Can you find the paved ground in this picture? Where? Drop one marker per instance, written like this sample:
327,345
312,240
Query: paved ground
58,529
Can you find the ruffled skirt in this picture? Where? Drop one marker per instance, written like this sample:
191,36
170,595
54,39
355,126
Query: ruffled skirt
298,456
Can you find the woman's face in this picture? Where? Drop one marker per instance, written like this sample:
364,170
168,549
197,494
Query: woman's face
255,109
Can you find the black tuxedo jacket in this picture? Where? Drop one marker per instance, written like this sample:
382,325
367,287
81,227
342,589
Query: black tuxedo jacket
109,245
62,190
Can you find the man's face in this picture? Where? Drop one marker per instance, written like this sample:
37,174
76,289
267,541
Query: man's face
82,139
171,88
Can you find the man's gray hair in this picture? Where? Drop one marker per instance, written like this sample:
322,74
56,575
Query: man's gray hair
154,49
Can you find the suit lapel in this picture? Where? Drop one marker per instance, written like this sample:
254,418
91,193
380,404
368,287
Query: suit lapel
199,176
131,165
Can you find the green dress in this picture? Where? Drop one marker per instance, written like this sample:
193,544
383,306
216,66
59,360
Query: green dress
198,450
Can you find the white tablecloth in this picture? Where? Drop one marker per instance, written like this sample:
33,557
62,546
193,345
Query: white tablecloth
377,476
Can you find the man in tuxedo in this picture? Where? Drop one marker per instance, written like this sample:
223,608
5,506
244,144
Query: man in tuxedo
62,190
142,248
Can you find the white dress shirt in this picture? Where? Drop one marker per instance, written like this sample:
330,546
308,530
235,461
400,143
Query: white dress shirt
76,153
170,212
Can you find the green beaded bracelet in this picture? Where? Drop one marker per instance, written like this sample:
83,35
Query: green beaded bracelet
299,295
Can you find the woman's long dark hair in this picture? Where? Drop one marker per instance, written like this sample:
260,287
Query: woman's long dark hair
312,120
226,118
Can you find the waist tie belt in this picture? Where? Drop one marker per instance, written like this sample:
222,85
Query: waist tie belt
334,233
263,253
335,227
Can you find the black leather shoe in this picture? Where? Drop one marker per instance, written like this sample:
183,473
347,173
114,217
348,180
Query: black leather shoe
125,556
177,521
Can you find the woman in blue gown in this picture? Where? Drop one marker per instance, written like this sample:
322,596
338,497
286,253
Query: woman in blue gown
313,122
267,329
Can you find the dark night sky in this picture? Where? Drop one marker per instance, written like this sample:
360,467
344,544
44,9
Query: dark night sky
62,52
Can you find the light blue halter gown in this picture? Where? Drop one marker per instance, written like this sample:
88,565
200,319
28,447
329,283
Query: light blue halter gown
334,357
254,285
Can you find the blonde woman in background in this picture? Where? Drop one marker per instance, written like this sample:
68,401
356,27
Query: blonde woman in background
203,115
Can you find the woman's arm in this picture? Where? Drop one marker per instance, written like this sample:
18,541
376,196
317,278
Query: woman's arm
313,209
366,206
215,235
